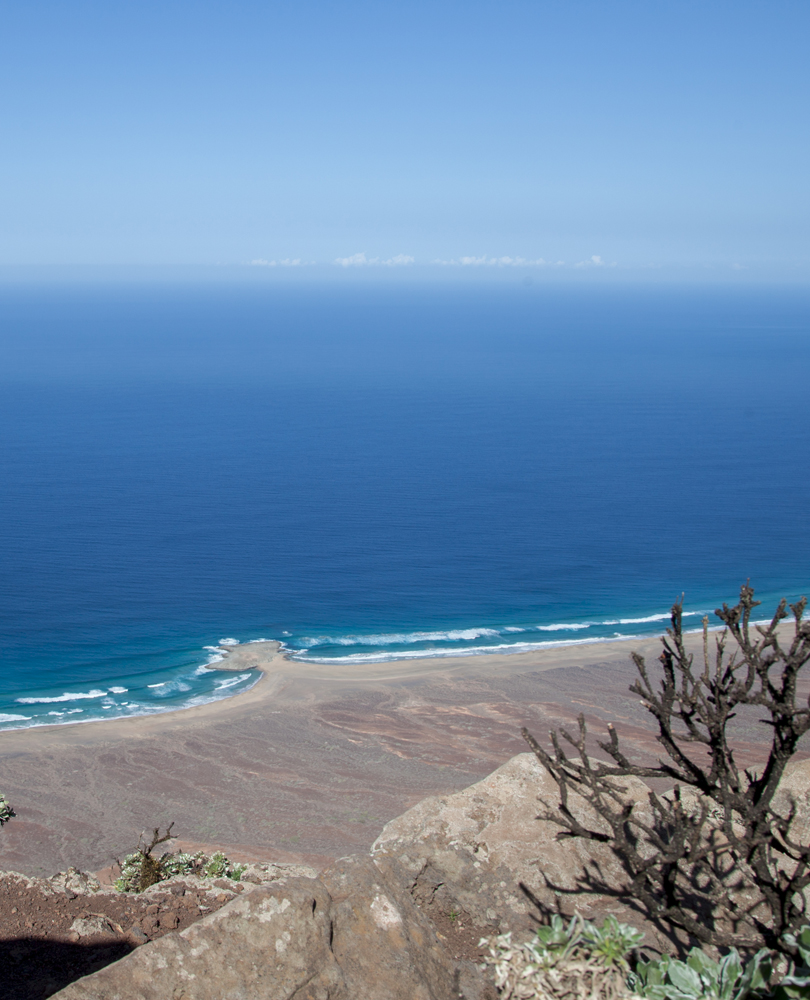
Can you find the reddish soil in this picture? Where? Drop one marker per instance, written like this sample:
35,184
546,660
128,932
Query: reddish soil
41,953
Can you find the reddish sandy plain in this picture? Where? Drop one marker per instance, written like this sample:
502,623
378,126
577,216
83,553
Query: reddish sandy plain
311,762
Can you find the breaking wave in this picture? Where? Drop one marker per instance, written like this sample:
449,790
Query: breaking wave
400,638
464,641
77,696
419,654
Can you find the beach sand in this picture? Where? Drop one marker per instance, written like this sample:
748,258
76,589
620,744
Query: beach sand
314,759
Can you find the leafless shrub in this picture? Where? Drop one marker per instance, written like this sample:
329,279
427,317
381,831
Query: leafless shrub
715,856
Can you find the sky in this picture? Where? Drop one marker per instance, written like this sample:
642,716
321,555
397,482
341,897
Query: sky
477,135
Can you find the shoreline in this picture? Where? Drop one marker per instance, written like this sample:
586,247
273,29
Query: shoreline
278,670
272,658
311,762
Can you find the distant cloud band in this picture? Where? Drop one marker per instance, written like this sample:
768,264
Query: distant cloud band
595,261
360,260
405,260
259,262
498,262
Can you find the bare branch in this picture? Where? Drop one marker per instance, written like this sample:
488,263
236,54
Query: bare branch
716,859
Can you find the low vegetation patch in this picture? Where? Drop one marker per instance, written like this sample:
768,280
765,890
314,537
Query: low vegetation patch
6,812
574,962
143,868
580,961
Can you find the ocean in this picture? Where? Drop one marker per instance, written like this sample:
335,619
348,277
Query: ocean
371,471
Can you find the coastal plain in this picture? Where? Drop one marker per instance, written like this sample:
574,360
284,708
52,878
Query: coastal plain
311,762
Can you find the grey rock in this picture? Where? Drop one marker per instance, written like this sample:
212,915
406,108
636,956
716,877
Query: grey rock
136,935
385,947
347,936
75,883
472,851
270,944
84,927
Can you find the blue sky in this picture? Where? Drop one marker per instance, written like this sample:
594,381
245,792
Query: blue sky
642,134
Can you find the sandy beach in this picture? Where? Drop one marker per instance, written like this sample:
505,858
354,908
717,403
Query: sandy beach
313,760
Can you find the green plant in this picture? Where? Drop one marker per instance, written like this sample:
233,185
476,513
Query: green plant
580,960
6,812
612,942
715,856
565,961
796,984
702,978
218,866
180,864
557,937
141,869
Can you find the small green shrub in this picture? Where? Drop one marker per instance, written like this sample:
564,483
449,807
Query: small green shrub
701,978
565,961
577,960
6,812
142,869
180,864
218,866
136,876
612,942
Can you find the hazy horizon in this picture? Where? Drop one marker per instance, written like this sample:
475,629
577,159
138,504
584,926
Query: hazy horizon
537,140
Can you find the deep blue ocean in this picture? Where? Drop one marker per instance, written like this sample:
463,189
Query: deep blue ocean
370,472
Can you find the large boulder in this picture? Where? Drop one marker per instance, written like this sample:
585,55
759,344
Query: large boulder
384,945
269,943
485,853
347,935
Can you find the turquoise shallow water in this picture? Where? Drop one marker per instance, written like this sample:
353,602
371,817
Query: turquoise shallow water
375,473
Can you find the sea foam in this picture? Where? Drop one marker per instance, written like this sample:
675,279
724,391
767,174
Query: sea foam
470,634
231,682
419,654
77,696
400,638
650,618
563,627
